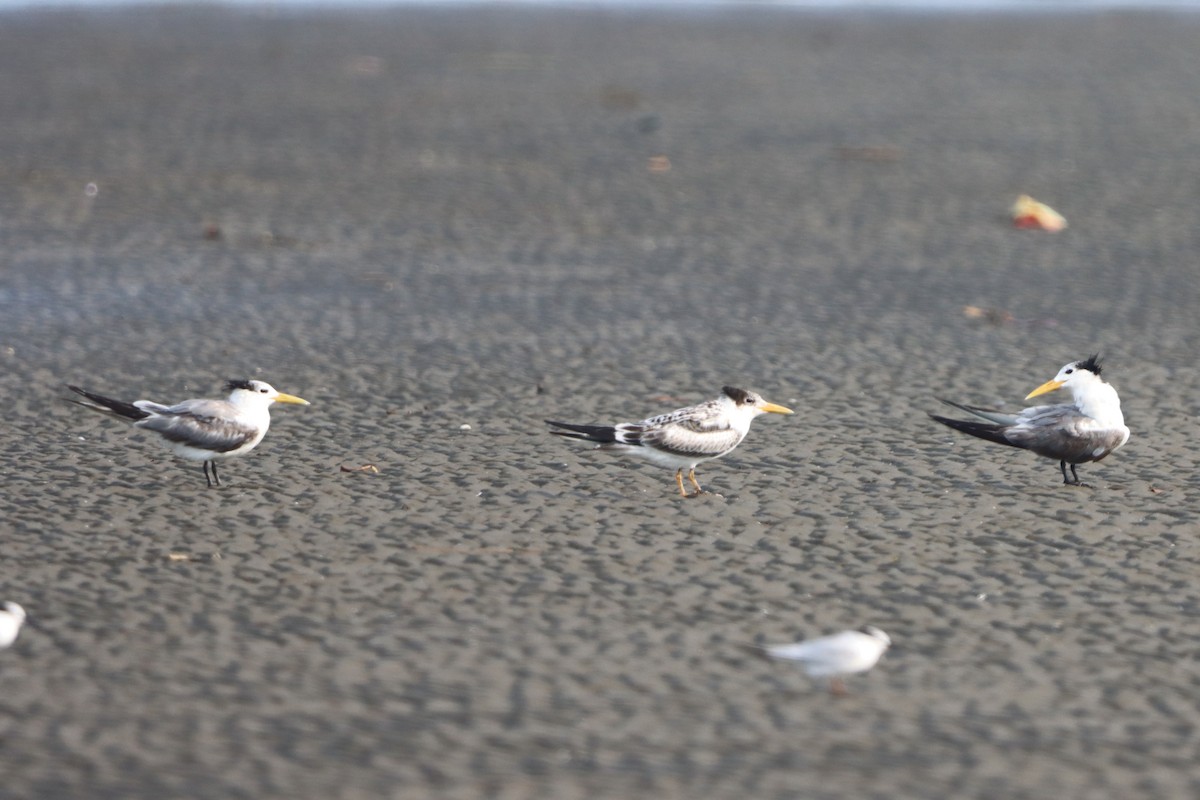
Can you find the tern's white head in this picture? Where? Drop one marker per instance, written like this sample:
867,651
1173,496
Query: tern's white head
1078,376
1093,396
875,633
744,406
258,394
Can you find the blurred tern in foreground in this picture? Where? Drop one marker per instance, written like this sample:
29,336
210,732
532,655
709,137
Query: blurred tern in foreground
203,430
11,620
682,438
1086,429
836,656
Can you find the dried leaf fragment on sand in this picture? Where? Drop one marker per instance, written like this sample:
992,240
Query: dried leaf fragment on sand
996,316
1029,213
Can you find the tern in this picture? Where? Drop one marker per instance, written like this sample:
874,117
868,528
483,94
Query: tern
11,620
682,438
1086,429
201,429
836,656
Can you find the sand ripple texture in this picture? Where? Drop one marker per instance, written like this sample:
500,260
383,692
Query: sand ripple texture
423,219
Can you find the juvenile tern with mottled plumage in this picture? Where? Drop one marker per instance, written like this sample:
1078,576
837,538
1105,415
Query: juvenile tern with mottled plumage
1086,429
836,656
682,438
201,429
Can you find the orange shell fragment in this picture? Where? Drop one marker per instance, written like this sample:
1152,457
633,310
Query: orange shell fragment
1029,213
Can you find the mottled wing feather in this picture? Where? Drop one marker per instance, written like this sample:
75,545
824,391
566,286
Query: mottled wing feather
706,424
708,412
692,438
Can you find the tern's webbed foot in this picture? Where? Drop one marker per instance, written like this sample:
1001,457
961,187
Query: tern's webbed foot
1073,479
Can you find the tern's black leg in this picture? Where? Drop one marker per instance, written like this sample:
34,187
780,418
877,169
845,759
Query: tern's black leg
1077,481
1074,479
216,479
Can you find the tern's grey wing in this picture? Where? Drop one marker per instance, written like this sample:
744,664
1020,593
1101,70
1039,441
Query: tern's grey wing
991,415
1062,432
152,407
205,424
692,438
1042,416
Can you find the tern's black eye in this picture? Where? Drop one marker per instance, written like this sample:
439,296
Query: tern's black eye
1070,371
262,391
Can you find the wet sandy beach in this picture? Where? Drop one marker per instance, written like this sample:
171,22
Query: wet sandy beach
424,219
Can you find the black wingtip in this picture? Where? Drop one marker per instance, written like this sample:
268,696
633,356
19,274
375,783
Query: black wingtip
79,391
981,430
603,434
101,403
95,398
757,650
959,406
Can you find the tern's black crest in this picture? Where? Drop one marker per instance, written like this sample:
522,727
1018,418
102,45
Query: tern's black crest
738,396
238,384
1091,364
